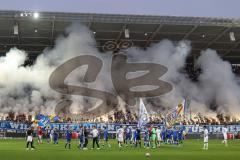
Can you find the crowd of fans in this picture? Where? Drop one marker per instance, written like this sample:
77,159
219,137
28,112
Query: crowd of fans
20,118
132,118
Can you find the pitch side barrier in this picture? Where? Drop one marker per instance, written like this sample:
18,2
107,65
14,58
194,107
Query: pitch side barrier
15,127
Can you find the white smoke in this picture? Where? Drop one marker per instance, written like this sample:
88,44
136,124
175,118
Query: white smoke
217,89
173,56
218,83
26,89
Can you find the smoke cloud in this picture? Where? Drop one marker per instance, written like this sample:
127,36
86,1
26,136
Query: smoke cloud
25,89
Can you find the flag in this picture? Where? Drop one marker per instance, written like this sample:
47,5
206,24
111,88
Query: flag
175,114
43,121
180,108
143,116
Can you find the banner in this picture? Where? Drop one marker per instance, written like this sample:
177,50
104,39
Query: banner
112,127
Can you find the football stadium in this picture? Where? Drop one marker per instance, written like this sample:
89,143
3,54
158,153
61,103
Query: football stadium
78,85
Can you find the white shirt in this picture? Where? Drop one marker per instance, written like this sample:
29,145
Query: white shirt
224,130
95,133
133,130
120,132
205,133
158,132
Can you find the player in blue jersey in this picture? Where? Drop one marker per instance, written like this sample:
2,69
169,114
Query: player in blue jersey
164,138
81,138
180,136
55,136
175,136
105,137
68,138
138,137
48,135
169,136
128,135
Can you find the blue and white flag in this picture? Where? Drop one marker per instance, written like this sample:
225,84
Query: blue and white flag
43,121
143,115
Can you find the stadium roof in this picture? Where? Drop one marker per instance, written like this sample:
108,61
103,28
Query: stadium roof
204,32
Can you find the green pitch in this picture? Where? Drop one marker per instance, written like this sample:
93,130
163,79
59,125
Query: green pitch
191,150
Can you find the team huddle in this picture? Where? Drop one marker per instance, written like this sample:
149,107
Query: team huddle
152,136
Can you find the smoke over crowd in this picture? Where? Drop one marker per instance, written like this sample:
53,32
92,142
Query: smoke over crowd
25,89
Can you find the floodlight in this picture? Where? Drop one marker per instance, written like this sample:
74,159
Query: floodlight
36,15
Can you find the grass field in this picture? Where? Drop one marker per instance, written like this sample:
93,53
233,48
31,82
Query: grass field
191,150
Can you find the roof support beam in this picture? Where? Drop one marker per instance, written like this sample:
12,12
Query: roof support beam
190,32
231,49
219,36
153,35
52,31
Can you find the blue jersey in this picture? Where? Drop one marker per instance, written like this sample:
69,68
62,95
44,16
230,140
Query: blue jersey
55,135
175,134
135,135
68,135
105,134
164,134
128,132
180,134
169,134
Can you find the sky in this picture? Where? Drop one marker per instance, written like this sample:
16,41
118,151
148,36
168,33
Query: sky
202,8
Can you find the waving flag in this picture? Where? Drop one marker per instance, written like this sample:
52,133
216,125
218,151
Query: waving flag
180,108
176,114
143,115
43,121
